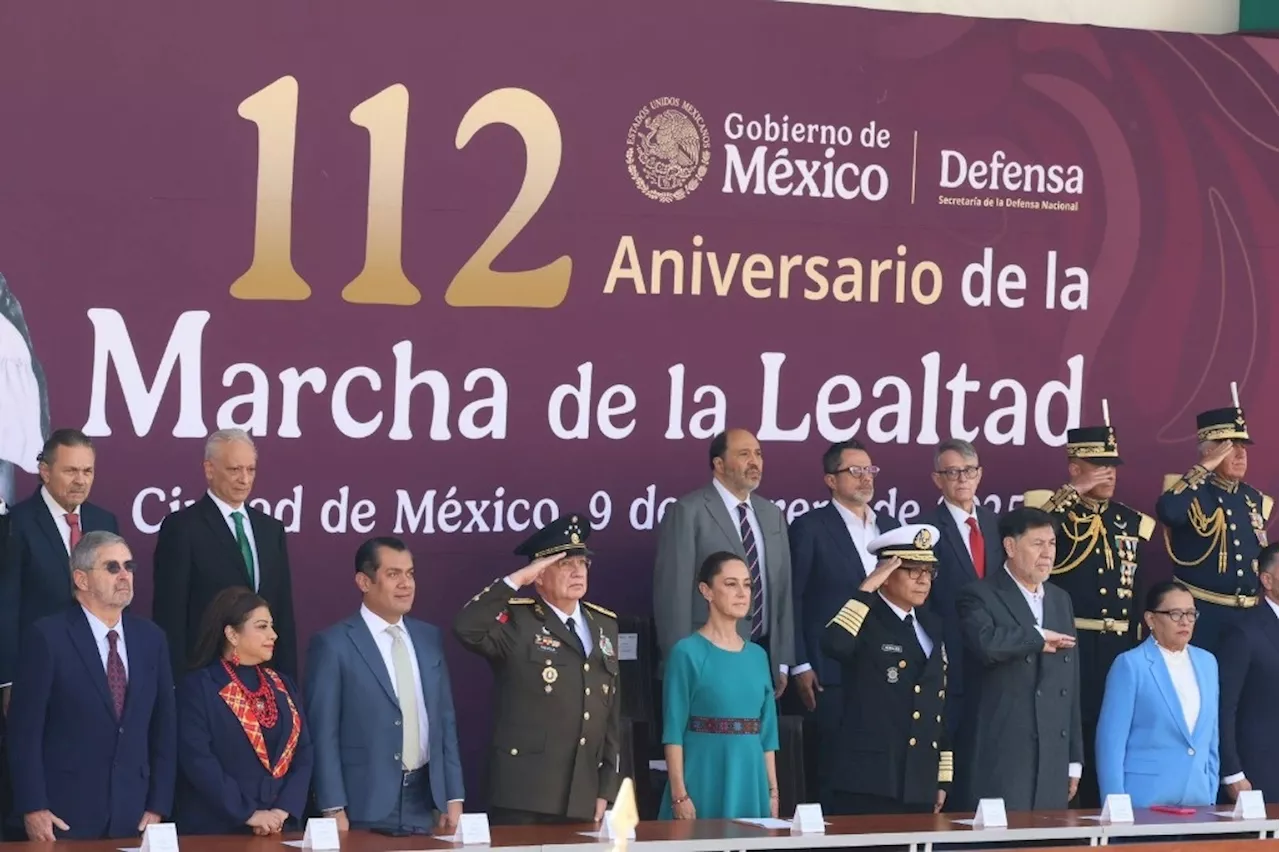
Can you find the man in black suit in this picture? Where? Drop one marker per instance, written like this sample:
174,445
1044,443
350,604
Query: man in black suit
1249,674
970,547
36,581
1023,743
892,753
220,541
829,560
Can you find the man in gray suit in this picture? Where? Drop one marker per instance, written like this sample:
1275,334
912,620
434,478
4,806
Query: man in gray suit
377,685
1023,742
726,515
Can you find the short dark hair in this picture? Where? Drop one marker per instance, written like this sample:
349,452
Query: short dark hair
714,564
1015,522
831,458
1156,594
1267,558
231,607
719,446
62,438
367,561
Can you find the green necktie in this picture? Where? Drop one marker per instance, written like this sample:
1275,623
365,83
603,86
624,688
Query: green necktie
245,550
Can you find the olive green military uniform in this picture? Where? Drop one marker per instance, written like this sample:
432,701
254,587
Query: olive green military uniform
555,746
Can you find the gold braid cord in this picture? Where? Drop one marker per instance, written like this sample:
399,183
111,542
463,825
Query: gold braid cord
1083,542
1212,527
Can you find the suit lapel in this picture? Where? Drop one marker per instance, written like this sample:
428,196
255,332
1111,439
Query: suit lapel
1201,668
223,535
427,663
834,525
720,513
49,528
990,526
261,532
772,559
82,640
951,534
363,639
1008,591
1160,672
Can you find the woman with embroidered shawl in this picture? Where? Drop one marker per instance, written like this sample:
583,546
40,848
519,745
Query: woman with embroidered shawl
244,749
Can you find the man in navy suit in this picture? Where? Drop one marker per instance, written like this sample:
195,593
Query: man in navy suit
970,547
377,685
43,529
829,561
92,722
1249,673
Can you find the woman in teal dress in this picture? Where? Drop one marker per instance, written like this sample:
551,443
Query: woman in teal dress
720,724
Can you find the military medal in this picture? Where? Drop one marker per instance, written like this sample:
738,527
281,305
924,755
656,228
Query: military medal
892,675
549,674
606,646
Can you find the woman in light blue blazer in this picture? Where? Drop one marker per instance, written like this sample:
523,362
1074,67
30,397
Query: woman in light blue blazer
1158,728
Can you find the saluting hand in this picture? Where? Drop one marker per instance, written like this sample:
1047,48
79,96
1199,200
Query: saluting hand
1091,479
876,578
1216,455
531,572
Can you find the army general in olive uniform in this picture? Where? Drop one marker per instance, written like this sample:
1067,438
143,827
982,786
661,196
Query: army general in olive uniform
1215,524
892,752
554,752
1097,564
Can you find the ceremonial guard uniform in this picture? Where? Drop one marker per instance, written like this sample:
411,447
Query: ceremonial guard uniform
1097,564
1214,530
556,734
892,749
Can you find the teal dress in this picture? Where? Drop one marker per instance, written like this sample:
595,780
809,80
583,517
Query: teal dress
719,706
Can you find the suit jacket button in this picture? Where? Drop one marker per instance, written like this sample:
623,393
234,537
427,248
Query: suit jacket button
397,723
1063,693
514,752
586,716
588,690
917,689
582,741
911,741
586,667
397,757
1064,735
915,715
1028,658
1037,693
1191,751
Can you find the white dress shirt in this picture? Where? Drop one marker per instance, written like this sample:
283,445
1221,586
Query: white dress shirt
99,630
60,518
226,509
1275,607
961,517
862,532
579,624
926,644
1035,600
381,631
1183,675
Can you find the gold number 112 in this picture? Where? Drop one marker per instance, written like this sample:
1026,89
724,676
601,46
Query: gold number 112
382,281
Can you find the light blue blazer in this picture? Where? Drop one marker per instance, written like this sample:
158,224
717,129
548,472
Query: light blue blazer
1143,747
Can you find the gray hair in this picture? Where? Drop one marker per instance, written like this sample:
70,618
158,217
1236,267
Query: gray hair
225,436
955,445
85,554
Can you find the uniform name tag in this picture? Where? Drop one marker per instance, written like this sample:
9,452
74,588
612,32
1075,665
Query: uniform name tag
891,649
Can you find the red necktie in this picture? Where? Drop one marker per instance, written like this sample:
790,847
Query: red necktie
977,548
116,679
73,522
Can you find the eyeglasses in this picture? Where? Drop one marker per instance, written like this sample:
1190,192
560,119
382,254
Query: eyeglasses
859,472
954,473
114,567
914,571
1179,615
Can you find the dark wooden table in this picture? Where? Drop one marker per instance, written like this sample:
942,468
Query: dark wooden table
917,833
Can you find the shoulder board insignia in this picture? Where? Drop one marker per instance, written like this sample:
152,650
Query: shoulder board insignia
1170,480
1037,498
1146,526
600,609
1267,505
520,601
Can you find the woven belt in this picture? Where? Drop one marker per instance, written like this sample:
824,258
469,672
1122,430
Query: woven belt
1103,625
1235,601
723,725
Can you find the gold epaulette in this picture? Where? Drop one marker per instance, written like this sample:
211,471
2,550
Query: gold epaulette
851,616
521,601
1170,480
600,609
1036,499
1146,526
946,767
1267,505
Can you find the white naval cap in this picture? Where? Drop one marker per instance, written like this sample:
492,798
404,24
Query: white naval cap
909,542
